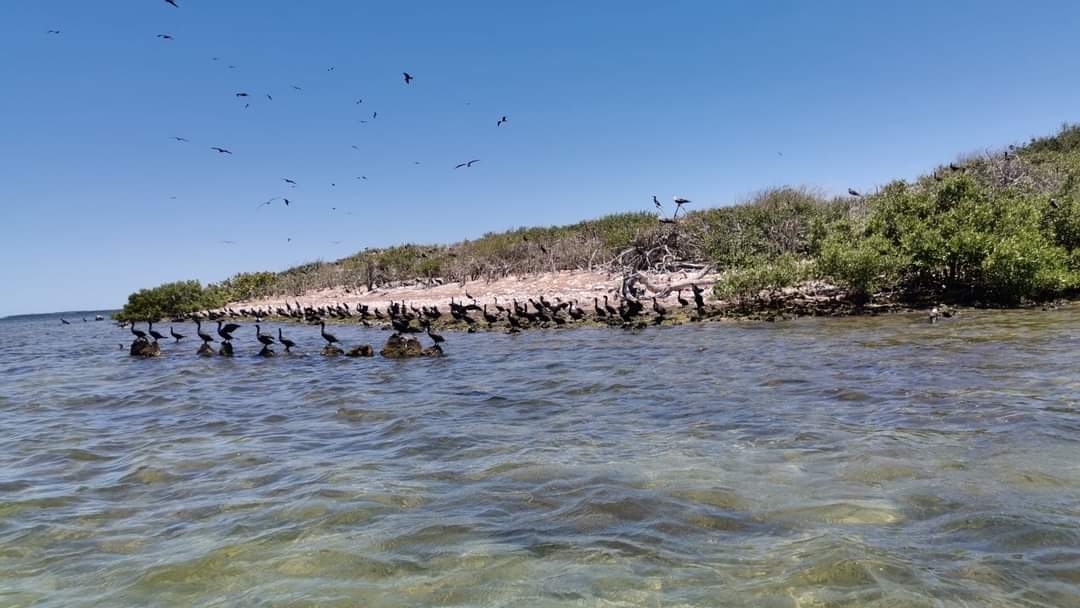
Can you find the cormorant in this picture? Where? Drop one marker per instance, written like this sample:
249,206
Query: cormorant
408,77
853,192
138,333
287,343
330,339
682,301
226,332
501,121
436,338
205,337
65,322
261,337
156,335
172,332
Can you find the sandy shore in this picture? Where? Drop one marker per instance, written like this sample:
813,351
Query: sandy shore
578,285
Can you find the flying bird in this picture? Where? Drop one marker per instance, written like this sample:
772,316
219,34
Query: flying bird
853,192
182,140
467,164
165,36
289,181
362,177
269,97
220,150
53,32
330,69
355,147
296,88
241,94
501,121
359,101
227,242
173,2
374,114
408,77
656,202
276,198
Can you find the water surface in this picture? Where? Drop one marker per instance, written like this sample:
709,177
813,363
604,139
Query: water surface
852,462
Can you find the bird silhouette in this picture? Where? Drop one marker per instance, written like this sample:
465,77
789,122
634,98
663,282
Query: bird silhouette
296,88
165,36
220,150
656,202
853,192
466,164
359,101
269,97
241,94
501,121
289,181
182,140
53,32
408,77
173,2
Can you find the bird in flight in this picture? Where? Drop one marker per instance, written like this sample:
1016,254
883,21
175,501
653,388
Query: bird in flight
173,2
182,140
362,177
220,150
656,202
330,69
53,32
241,94
269,97
374,114
853,192
296,88
355,147
467,164
408,77
227,242
501,121
359,101
289,181
165,36
276,198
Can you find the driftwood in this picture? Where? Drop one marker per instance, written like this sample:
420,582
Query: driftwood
630,281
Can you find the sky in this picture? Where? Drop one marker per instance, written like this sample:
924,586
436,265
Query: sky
608,103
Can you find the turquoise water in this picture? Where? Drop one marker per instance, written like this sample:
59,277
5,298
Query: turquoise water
851,462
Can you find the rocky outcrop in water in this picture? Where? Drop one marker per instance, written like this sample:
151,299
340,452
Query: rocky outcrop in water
364,350
226,349
205,350
142,347
267,352
332,351
400,347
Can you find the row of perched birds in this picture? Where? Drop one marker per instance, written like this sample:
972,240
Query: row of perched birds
226,330
403,317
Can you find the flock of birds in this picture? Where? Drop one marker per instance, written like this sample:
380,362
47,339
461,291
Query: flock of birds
405,318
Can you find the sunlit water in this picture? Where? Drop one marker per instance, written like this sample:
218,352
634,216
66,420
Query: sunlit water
851,462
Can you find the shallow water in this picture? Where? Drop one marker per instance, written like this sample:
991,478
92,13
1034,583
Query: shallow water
851,462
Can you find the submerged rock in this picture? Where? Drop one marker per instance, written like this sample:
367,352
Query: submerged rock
266,351
205,350
364,350
226,349
400,347
142,347
332,351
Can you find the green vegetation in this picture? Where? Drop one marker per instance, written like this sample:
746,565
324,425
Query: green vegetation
998,229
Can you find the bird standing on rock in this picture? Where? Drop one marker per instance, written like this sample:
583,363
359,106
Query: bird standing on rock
330,338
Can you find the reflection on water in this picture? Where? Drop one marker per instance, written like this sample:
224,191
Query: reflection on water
851,462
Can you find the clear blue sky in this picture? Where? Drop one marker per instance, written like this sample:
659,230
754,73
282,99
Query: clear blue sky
609,102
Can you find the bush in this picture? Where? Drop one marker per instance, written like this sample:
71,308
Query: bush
862,266
170,299
1025,265
784,271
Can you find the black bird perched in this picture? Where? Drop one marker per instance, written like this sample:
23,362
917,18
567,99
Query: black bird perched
679,202
681,300
165,36
408,77
287,343
467,164
205,337
220,150
156,335
176,336
226,332
1053,203
330,338
266,340
501,121
138,333
656,202
436,338
853,192
173,2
